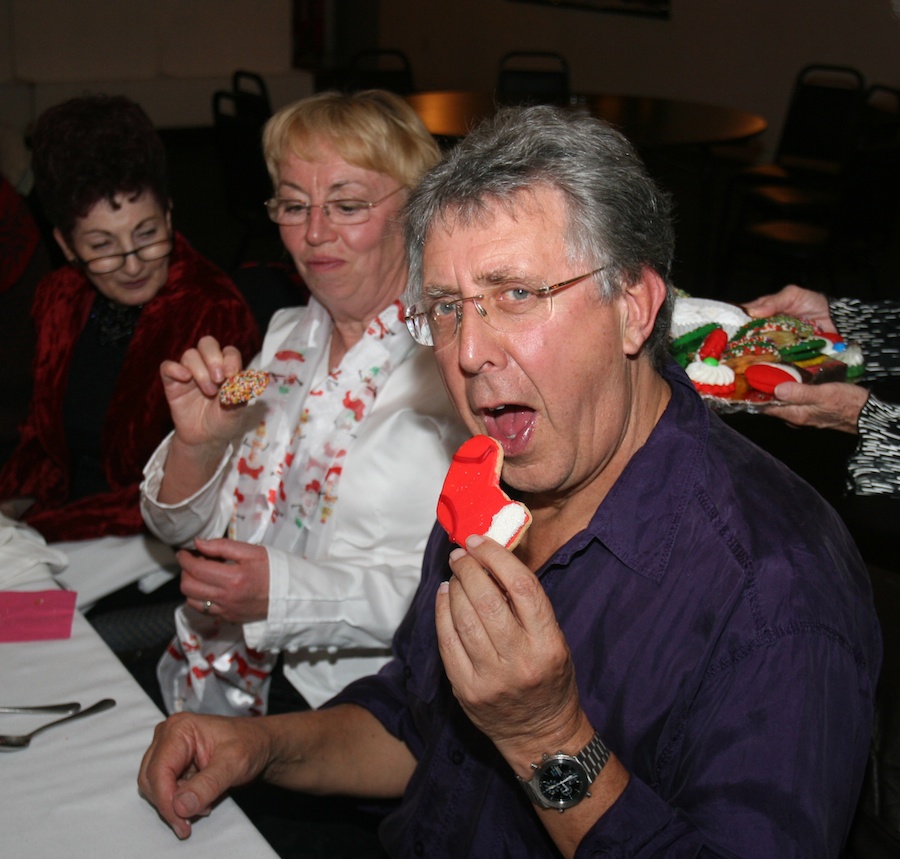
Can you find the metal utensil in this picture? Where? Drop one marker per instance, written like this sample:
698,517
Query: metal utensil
13,742
72,707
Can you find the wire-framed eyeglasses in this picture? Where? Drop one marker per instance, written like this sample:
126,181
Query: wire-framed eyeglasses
508,308
113,262
294,213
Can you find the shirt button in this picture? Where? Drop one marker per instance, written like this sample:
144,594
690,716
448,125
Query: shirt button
419,848
407,672
457,757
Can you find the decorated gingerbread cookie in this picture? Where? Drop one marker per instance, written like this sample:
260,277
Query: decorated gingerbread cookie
472,502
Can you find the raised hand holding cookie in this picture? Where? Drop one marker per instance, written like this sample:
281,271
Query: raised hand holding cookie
472,502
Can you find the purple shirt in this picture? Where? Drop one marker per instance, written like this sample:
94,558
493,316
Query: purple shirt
726,648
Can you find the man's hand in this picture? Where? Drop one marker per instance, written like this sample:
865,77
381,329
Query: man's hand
512,672
793,301
833,405
505,655
233,576
193,760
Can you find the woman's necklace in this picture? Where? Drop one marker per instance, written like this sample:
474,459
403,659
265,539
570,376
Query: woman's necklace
114,321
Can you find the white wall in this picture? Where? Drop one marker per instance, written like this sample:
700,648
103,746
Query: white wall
170,55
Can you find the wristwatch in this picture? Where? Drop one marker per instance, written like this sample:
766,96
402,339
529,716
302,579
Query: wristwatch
561,781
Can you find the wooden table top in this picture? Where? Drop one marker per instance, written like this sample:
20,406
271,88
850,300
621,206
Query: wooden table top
650,123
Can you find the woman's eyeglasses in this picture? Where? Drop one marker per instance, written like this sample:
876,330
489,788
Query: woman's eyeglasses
113,262
293,213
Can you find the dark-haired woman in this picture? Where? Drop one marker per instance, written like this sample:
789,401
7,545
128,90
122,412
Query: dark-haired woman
133,295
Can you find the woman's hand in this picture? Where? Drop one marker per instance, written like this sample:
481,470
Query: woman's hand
203,426
192,390
833,405
232,576
793,301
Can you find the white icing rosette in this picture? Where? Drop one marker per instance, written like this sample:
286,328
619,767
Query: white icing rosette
710,374
692,313
852,356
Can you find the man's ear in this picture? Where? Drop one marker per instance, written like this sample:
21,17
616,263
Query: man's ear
68,253
642,302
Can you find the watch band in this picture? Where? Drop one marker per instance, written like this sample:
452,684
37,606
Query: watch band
590,761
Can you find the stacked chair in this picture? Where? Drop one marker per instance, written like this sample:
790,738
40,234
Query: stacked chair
533,77
831,194
821,126
881,115
239,115
379,68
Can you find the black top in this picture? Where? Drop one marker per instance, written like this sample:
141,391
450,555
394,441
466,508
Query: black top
96,364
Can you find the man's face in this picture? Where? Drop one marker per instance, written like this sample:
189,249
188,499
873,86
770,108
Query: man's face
558,397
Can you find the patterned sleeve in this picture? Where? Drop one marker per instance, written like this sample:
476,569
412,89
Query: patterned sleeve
874,468
876,327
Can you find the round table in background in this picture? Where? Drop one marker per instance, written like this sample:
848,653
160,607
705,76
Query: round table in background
648,122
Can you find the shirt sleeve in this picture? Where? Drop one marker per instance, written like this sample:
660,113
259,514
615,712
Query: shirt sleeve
874,468
415,665
203,514
783,728
876,327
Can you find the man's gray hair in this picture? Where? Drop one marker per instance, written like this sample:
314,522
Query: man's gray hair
617,217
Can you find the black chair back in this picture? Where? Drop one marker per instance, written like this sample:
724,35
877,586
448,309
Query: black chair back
239,115
824,116
536,77
384,68
881,115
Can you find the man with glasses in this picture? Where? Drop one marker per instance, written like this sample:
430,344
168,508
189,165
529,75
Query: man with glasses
679,656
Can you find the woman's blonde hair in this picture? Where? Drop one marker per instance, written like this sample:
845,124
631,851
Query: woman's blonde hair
372,129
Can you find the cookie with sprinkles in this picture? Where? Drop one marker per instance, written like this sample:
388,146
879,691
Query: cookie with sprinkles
243,387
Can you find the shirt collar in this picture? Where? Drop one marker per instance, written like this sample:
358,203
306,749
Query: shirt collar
639,519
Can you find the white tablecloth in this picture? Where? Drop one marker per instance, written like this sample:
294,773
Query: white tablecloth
73,792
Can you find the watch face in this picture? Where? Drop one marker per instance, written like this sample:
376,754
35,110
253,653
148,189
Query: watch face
562,781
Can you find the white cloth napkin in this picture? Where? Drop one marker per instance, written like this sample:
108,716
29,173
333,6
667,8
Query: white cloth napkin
26,561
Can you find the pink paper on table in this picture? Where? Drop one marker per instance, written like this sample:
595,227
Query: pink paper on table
36,615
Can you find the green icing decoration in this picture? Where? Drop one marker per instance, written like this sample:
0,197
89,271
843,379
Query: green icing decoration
693,338
802,351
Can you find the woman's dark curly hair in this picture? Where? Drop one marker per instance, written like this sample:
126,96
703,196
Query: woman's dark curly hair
94,148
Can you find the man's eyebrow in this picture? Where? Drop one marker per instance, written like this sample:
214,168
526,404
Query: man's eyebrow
434,290
502,276
493,277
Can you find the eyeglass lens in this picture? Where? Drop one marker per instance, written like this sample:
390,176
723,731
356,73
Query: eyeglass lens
113,262
506,309
342,212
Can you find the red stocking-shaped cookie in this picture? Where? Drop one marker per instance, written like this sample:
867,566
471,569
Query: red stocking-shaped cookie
472,501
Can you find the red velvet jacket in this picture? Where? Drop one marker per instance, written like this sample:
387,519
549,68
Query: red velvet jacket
198,299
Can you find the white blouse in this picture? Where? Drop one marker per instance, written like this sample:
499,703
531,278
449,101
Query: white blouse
334,611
